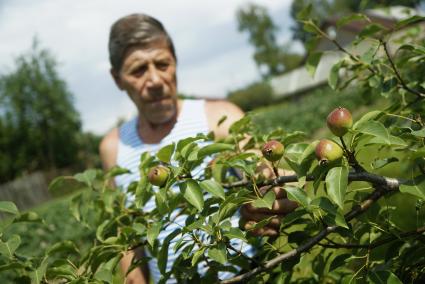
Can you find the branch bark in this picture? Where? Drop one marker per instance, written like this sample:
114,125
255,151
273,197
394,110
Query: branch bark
390,183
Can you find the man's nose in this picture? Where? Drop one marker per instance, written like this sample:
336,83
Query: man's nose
154,79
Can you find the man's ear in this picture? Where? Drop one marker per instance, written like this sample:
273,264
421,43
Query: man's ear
116,78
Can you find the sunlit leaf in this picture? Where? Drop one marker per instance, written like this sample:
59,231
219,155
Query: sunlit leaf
337,182
192,192
266,201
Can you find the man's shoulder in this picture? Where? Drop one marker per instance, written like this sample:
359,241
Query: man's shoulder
222,105
216,110
108,148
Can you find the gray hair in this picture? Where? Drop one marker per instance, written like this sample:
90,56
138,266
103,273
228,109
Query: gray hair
135,30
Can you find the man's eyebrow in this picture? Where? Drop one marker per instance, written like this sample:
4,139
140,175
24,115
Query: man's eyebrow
136,63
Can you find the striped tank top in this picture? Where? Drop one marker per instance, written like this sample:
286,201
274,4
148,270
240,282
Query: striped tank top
191,121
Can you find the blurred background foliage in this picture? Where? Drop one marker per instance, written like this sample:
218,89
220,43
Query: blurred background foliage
40,129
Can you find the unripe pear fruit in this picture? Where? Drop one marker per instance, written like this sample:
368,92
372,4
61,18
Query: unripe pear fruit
158,175
328,151
339,121
272,150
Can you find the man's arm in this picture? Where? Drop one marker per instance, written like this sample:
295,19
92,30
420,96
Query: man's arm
215,110
108,149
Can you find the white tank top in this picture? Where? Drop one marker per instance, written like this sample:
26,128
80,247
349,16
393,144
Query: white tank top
191,121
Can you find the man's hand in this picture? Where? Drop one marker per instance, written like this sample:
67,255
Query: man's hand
281,206
137,275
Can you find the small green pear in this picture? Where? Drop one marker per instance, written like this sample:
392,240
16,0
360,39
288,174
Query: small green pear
158,175
273,150
339,121
328,151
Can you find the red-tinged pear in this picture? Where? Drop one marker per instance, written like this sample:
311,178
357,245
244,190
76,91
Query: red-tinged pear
339,121
158,175
273,150
328,151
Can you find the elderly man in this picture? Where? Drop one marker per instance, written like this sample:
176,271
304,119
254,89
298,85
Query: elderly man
143,63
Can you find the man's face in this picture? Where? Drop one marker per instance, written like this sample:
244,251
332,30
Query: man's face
148,75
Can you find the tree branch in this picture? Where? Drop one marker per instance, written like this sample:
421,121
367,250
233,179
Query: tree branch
377,180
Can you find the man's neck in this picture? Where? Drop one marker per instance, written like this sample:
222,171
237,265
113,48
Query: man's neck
153,133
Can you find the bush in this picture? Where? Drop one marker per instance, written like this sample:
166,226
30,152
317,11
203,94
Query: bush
251,97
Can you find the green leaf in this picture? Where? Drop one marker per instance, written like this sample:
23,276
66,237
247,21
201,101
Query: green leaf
419,133
392,140
106,269
383,277
375,128
311,27
164,154
218,253
163,253
350,18
338,261
409,21
335,219
87,177
305,12
153,232
298,237
235,233
213,187
8,248
214,148
37,274
192,192
63,246
337,182
367,117
116,171
9,207
380,163
334,75
313,61
29,216
197,255
415,187
298,195
74,207
266,201
12,266
241,125
229,206
370,30
332,217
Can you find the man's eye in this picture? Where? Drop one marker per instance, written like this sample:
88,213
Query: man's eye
162,65
139,70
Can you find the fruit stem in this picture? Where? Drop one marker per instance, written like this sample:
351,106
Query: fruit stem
276,172
256,190
351,157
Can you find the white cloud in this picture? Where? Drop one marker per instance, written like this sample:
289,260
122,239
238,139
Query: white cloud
213,57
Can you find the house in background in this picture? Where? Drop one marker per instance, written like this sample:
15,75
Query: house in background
299,80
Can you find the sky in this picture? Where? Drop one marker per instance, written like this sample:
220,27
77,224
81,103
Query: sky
213,56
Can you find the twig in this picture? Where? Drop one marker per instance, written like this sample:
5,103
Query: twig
401,81
390,183
352,158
